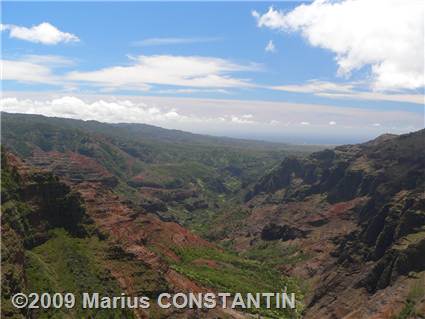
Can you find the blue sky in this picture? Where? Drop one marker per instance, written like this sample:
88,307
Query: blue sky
311,79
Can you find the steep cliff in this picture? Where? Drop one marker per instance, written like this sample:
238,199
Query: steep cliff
349,221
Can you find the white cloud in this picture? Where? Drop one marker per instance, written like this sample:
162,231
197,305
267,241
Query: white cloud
387,35
315,86
170,41
332,123
272,19
101,110
115,111
376,124
241,120
191,91
194,74
27,72
36,69
377,96
348,91
270,47
188,71
49,60
44,33
305,123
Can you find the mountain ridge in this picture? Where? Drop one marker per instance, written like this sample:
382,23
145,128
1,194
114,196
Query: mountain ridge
153,132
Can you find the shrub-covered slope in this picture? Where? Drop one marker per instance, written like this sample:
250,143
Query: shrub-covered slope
74,235
178,175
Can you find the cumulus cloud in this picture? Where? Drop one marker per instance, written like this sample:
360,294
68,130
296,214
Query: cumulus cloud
270,47
44,33
244,119
188,71
386,35
332,123
101,110
117,110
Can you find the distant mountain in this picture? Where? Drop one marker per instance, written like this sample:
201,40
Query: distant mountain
147,133
349,221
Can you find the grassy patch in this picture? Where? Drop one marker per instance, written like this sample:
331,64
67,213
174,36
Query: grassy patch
233,274
276,253
67,264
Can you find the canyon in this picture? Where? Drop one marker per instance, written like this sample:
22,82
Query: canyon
147,210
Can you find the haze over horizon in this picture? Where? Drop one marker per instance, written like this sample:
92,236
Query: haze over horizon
283,73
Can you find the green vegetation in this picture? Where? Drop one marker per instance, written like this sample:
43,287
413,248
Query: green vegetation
40,256
49,243
66,264
152,166
276,253
416,294
71,260
142,155
9,180
228,272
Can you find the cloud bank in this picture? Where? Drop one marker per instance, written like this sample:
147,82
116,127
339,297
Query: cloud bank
237,118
